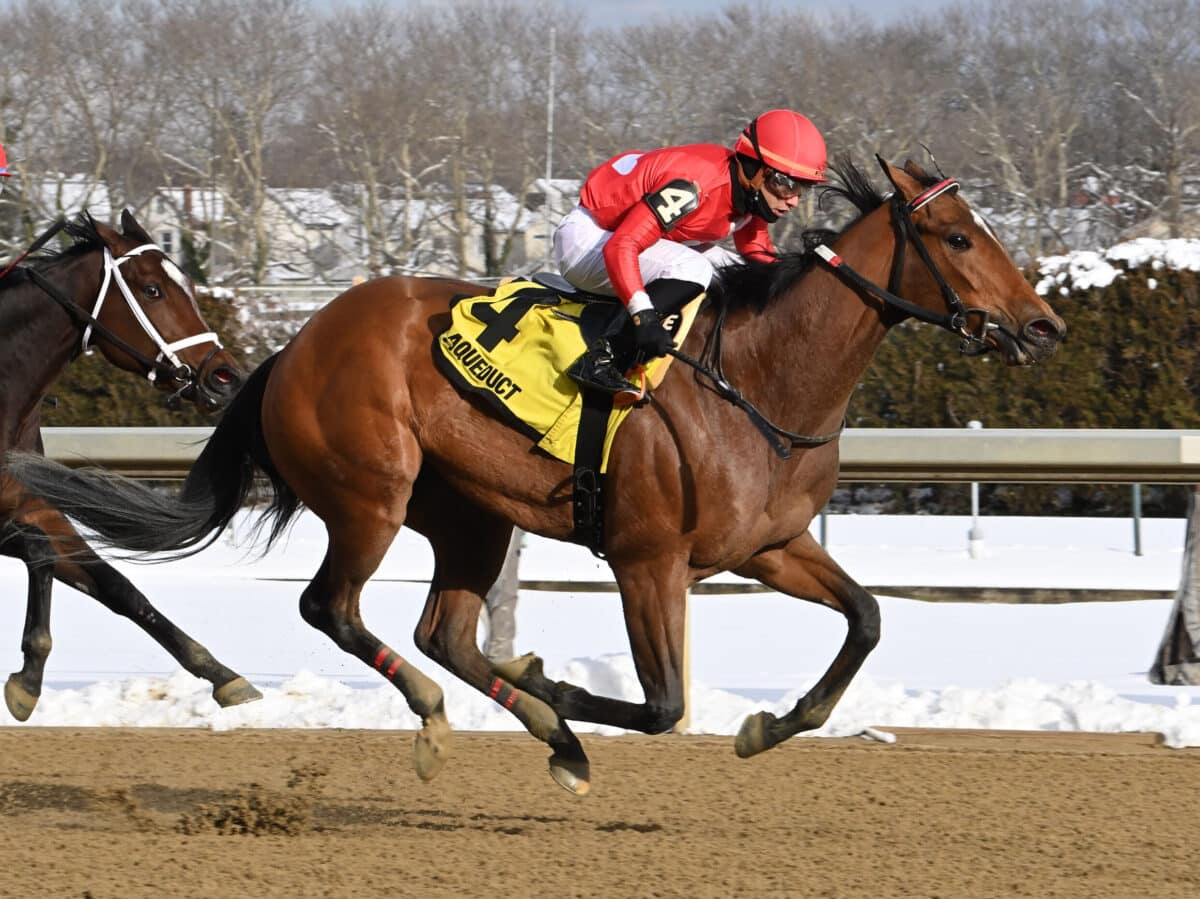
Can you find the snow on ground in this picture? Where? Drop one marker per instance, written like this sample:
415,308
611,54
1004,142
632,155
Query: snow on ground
1074,666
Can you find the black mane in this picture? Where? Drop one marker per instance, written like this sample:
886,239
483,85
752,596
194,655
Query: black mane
84,239
755,284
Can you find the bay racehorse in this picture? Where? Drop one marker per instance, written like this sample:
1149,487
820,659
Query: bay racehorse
353,420
116,292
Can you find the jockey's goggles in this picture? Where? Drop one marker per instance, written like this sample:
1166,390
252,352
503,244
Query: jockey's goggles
783,186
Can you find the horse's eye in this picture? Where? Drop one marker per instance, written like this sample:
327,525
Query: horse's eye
152,292
958,242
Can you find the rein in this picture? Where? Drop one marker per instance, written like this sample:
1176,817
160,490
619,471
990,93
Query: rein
709,365
40,242
167,363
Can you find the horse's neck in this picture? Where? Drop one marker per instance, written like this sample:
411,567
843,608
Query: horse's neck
37,338
810,348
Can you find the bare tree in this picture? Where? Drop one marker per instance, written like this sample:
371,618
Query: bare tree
239,70
1025,78
1154,52
87,141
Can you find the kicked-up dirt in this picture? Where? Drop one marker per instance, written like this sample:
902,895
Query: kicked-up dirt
123,814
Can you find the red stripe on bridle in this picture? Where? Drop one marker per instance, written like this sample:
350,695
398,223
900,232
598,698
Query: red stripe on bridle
928,196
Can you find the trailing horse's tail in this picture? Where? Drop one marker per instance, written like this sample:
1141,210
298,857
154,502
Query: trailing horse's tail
128,515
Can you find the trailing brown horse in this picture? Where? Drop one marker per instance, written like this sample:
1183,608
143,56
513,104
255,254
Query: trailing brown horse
353,420
119,293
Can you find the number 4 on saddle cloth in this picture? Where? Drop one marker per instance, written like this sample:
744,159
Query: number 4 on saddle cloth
513,348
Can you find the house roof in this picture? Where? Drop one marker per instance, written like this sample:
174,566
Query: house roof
313,207
69,195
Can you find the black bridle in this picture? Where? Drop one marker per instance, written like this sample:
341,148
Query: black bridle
953,319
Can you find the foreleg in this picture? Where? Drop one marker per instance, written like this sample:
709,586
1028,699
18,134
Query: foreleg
803,569
32,547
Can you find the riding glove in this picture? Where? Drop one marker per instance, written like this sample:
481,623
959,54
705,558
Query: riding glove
650,336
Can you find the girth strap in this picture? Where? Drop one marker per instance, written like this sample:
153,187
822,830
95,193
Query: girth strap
587,480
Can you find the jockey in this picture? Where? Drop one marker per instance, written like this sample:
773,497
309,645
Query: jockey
646,226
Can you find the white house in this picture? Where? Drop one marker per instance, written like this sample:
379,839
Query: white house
67,195
547,202
174,211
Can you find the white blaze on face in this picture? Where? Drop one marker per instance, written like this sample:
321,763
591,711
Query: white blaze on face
983,224
175,273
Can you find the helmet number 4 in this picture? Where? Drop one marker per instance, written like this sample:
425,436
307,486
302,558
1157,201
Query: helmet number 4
673,201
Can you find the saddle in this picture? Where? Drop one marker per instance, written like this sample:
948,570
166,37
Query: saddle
513,348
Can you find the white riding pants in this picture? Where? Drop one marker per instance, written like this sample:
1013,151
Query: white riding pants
579,250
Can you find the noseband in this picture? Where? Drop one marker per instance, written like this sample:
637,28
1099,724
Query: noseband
167,363
954,319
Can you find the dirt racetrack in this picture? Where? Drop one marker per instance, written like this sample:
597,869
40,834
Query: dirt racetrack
123,813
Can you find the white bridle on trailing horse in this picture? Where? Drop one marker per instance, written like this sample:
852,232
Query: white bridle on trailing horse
112,273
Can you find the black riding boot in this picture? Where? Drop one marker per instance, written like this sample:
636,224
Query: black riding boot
596,369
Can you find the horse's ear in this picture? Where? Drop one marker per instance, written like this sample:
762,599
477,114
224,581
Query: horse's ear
906,185
915,170
887,169
110,236
131,228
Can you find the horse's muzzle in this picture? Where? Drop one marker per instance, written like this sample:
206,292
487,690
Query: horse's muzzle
211,388
1037,340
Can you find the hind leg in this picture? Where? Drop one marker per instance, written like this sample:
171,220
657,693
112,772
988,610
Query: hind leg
469,550
345,448
330,603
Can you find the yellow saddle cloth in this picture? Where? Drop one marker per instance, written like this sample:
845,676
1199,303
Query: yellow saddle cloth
513,347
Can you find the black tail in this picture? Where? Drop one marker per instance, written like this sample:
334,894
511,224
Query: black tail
128,515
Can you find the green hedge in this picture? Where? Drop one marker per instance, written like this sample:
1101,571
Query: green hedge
1131,359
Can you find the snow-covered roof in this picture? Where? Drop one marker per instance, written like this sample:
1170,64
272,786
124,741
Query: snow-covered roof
69,195
200,204
567,187
313,207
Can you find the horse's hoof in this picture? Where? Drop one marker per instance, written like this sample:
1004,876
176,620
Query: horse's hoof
515,671
572,774
431,748
235,692
754,735
20,701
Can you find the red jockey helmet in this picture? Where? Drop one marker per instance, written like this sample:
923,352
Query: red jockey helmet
4,172
787,142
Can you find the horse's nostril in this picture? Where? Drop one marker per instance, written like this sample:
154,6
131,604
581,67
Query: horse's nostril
1042,328
224,376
